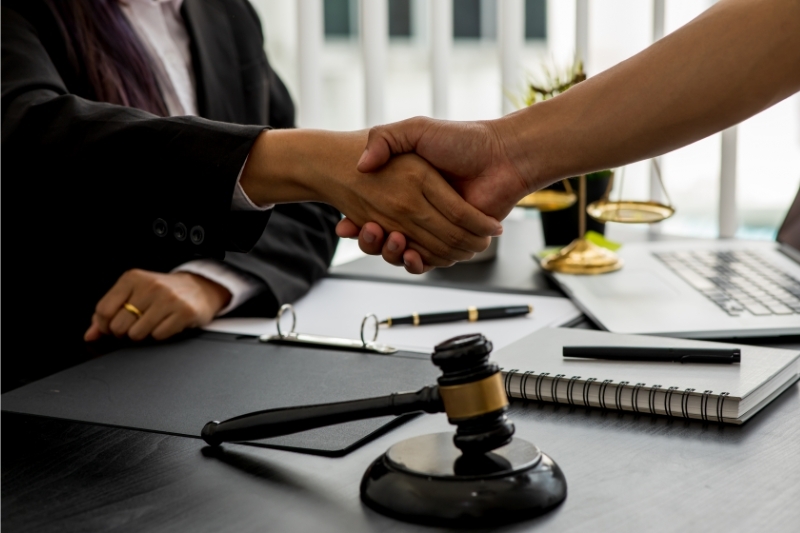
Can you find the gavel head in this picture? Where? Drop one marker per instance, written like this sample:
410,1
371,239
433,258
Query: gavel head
473,395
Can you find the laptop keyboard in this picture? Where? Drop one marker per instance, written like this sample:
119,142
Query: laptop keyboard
739,282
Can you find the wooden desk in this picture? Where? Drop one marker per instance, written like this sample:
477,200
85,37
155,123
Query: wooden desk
625,472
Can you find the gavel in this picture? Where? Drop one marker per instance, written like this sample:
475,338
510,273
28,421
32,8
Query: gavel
470,391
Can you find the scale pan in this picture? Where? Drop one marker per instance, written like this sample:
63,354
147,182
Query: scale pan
629,212
547,200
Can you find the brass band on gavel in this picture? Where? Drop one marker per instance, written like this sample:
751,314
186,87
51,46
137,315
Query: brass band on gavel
474,399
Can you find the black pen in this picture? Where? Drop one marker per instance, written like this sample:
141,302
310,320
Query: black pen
673,355
473,314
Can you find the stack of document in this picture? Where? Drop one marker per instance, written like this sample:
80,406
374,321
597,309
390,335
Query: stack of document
336,307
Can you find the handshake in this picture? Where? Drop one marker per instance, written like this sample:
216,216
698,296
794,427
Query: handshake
424,193
467,185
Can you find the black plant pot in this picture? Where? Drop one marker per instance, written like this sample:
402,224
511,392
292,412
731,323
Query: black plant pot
561,227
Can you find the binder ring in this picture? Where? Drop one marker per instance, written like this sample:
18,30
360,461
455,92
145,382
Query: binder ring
283,309
374,317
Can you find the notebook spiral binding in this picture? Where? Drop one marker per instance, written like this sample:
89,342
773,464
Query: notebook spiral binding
619,394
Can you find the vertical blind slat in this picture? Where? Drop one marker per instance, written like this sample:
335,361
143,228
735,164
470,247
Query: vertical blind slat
441,46
511,34
374,45
310,35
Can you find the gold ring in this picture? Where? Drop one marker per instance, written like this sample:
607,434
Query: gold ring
132,309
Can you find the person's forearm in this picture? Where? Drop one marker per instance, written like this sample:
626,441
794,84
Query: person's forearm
297,165
738,58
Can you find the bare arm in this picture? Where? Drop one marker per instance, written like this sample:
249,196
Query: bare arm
733,61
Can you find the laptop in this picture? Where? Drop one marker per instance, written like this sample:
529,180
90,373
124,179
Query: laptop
699,289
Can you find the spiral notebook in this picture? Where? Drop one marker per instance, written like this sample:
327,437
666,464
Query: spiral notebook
535,369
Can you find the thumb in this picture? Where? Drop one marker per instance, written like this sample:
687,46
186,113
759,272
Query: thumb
391,139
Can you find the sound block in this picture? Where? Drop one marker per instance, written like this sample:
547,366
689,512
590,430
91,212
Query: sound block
427,480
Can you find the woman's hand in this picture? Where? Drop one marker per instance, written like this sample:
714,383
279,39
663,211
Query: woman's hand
169,303
406,195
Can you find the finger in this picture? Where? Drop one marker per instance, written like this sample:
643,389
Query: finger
412,262
108,306
150,320
93,333
347,229
431,259
371,238
444,198
171,325
397,138
441,239
121,322
393,248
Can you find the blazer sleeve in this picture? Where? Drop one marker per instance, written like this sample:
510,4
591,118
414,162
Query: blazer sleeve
140,173
293,253
300,240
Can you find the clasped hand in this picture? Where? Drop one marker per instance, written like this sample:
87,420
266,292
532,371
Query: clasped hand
473,159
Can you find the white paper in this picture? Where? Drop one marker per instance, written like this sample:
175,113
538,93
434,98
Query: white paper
336,307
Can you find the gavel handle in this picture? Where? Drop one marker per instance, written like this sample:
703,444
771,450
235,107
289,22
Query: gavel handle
276,422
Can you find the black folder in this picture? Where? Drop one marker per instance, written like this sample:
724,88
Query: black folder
176,388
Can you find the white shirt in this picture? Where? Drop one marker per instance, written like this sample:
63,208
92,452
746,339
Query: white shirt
161,29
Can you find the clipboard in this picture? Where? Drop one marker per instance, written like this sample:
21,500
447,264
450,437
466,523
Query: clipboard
176,387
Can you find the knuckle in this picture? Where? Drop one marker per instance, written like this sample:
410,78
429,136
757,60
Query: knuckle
136,334
117,329
456,238
457,214
133,274
104,310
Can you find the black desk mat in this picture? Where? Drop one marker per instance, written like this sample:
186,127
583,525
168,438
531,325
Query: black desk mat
176,388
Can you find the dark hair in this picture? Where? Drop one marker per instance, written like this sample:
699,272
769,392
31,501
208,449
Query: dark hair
102,46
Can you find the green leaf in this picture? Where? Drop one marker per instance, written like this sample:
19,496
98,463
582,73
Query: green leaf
600,240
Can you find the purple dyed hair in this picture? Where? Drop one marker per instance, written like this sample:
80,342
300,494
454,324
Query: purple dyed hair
103,46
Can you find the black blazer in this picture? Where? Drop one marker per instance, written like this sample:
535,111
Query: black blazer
89,187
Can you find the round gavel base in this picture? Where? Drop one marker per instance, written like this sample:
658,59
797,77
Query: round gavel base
427,480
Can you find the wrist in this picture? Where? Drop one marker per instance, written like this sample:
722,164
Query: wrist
216,296
296,165
516,135
278,170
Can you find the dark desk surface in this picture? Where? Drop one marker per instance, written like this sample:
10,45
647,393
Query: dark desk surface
514,270
625,472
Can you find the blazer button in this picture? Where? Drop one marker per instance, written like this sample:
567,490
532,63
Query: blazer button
197,234
179,231
160,227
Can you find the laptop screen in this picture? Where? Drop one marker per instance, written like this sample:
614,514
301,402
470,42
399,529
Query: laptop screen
789,233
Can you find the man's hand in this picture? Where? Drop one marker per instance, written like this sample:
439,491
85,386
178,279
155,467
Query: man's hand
470,155
169,303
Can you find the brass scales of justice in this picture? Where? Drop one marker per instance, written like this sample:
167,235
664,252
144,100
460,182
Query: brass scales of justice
582,256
